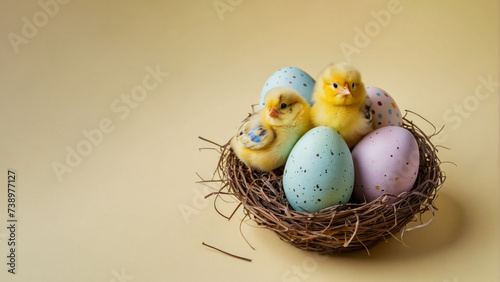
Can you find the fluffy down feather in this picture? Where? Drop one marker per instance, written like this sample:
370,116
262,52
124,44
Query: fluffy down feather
265,139
341,103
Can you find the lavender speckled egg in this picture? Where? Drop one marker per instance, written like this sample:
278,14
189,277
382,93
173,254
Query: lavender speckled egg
386,161
289,77
385,111
319,172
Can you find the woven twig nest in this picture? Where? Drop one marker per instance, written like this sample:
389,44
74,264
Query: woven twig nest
340,228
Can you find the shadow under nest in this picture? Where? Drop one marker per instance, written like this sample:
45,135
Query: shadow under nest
340,228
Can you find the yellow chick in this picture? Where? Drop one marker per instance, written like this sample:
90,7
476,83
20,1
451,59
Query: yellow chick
265,139
340,102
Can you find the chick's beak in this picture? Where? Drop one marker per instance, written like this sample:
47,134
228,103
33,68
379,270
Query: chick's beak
345,91
273,112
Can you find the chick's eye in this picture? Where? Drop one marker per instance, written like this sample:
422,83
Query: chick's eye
353,85
283,106
335,85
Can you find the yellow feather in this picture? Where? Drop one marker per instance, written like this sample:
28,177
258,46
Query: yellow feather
341,112
292,122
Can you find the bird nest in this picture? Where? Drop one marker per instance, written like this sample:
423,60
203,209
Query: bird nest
340,228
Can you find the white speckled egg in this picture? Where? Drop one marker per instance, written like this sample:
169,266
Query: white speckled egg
385,111
319,172
385,162
289,77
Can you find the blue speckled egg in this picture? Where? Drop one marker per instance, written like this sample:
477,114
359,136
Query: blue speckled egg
289,77
319,172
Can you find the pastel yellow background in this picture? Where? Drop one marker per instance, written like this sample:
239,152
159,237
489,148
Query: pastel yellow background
130,209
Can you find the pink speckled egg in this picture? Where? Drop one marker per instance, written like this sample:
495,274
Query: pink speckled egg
385,111
385,162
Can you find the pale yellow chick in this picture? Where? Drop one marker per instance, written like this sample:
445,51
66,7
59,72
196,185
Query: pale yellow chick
265,139
341,103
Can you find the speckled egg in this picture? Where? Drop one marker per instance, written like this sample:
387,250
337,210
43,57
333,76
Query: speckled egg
385,111
319,172
289,77
385,162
